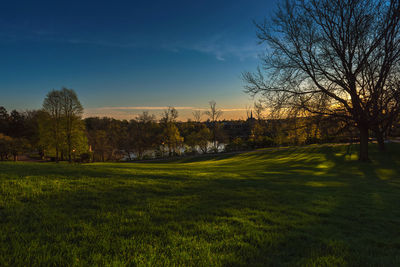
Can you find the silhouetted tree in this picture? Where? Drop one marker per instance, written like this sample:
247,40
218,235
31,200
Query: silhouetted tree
169,116
258,110
197,116
326,56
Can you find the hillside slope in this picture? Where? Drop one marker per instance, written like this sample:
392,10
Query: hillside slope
315,205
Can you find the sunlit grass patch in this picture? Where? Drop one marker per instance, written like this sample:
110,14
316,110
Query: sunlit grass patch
386,174
325,184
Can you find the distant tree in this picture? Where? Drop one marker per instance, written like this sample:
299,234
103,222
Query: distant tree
72,111
97,137
143,134
248,111
169,116
172,138
116,132
257,135
107,138
199,138
4,120
203,139
236,144
64,123
54,107
220,136
46,142
16,124
192,140
258,110
32,131
101,144
333,58
214,115
17,147
11,147
5,146
197,116
79,140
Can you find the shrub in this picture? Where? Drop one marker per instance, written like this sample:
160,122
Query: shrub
86,157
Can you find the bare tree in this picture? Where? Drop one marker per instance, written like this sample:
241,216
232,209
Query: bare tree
169,115
249,111
214,114
334,58
197,115
387,108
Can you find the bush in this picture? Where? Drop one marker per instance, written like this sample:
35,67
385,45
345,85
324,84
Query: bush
86,157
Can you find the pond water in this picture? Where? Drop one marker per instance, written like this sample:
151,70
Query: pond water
163,152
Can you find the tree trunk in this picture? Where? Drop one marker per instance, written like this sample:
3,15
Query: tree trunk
57,153
41,154
363,155
69,149
381,140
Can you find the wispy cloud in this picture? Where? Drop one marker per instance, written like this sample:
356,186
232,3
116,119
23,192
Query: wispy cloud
223,51
220,46
101,43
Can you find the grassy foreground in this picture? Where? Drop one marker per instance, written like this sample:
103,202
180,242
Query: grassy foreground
301,206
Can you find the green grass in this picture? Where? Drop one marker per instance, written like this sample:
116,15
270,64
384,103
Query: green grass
312,206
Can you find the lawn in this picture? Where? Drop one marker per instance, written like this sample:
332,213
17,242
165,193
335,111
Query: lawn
308,206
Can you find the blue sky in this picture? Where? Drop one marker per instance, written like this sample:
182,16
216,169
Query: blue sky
122,57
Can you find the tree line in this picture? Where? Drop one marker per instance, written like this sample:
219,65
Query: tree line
58,132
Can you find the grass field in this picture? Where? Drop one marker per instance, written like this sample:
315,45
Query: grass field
301,206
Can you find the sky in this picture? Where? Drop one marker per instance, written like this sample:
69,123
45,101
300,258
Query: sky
124,57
